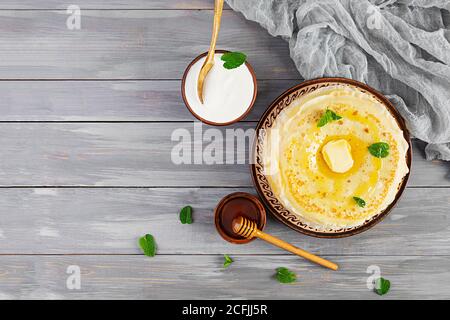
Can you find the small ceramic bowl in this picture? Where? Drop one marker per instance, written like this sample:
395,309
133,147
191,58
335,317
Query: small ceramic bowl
235,205
243,115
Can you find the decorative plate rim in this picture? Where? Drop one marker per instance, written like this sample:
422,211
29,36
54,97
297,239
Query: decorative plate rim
260,182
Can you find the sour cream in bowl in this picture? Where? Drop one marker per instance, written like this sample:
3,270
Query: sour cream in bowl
228,94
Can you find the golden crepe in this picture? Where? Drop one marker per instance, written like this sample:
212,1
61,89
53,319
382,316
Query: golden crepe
322,162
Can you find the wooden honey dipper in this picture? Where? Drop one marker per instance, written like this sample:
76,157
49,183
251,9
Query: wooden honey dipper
248,229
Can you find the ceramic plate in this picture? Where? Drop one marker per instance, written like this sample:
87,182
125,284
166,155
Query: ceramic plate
261,184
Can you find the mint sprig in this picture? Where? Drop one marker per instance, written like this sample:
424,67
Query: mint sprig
148,245
360,202
382,286
327,117
227,261
379,149
233,59
186,215
284,275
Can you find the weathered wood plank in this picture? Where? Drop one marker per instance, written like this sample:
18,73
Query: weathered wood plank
110,4
109,221
129,44
110,100
134,154
203,277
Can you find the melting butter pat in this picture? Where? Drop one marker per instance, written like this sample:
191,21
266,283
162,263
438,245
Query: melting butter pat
338,155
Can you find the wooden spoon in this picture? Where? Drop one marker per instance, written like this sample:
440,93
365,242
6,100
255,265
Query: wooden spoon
209,61
248,229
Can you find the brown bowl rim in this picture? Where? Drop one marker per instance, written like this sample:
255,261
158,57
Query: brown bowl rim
240,194
247,111
380,216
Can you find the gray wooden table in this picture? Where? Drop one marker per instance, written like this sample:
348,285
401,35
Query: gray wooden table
86,118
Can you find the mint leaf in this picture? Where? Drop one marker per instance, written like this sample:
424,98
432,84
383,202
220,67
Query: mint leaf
186,215
382,286
284,275
148,245
379,149
233,59
360,202
327,117
227,261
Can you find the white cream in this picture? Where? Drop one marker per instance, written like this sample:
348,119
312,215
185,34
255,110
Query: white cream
227,94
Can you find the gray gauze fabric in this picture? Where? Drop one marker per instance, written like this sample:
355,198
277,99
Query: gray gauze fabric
400,47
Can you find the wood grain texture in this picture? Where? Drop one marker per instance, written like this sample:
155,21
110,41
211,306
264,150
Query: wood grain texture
119,76
203,277
110,220
111,100
129,44
134,154
110,4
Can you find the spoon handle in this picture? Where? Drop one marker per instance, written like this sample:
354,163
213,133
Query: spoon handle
289,247
218,8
